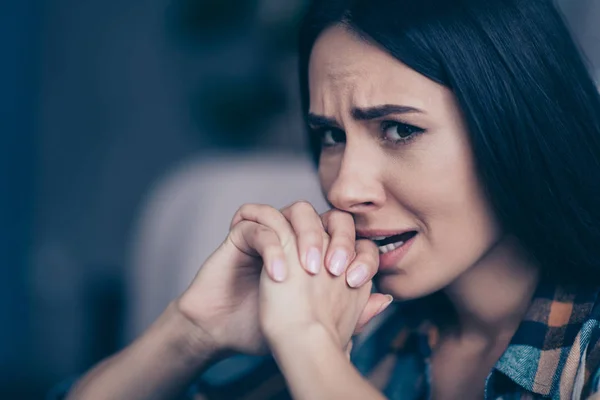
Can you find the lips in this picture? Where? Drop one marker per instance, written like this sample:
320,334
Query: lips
387,242
393,246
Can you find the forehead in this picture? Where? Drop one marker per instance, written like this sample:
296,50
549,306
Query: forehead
339,54
342,64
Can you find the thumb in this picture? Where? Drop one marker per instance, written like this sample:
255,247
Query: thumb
376,304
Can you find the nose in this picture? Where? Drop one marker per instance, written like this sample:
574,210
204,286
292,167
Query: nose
358,187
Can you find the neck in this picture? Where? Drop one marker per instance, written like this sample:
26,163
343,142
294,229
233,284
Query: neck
491,298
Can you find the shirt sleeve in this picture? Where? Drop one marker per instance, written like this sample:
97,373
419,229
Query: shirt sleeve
591,384
594,386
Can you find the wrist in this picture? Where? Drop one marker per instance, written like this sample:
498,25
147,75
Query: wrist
309,334
315,366
309,338
187,338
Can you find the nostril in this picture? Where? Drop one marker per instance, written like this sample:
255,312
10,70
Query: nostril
363,205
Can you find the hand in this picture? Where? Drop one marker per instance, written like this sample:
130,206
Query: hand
222,301
332,234
303,302
335,232
310,229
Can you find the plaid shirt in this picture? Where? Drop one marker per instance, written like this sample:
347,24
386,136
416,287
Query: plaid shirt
555,353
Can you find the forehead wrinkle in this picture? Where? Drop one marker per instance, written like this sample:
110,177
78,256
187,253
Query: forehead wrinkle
339,72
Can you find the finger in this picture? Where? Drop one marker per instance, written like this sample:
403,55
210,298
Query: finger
349,349
269,217
309,230
340,227
376,304
257,240
365,264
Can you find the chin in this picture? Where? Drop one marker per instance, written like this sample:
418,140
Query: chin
403,287
400,287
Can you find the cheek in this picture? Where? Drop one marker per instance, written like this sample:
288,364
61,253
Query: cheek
447,198
465,215
328,171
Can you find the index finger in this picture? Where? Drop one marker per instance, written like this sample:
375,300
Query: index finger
310,234
341,251
269,217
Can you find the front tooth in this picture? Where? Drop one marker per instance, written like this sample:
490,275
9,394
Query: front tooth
390,247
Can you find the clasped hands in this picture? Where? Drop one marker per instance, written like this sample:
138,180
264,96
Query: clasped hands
278,275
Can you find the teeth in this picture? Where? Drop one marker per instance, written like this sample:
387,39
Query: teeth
378,238
390,247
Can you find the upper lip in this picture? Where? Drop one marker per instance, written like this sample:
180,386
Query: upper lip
368,233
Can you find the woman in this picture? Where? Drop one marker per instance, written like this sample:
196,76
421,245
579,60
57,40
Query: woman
459,142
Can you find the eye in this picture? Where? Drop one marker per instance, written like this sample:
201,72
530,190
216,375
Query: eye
331,136
398,132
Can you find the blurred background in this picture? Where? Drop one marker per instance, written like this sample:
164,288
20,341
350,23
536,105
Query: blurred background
131,131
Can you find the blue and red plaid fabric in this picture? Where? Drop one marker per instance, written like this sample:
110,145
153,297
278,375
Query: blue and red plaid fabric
555,353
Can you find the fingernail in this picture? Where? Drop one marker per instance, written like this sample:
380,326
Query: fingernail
338,262
313,260
385,305
357,276
278,270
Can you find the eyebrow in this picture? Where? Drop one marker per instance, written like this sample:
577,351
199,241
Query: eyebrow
318,121
366,114
363,114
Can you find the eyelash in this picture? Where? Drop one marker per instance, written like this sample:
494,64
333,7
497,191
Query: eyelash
385,125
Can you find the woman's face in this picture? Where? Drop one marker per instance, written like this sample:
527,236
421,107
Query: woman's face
396,154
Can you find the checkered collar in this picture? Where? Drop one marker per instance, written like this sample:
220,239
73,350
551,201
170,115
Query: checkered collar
537,355
540,348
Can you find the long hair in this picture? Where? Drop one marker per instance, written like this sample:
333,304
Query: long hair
530,105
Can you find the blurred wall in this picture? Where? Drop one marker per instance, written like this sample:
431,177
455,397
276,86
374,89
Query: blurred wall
19,43
115,114
111,119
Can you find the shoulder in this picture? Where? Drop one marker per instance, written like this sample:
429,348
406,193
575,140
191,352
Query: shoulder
580,372
555,351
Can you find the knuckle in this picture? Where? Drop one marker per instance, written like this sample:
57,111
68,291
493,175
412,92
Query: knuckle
345,243
272,249
301,207
240,227
303,203
312,237
339,216
262,230
367,246
265,209
341,224
325,217
288,242
371,259
244,208
344,237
